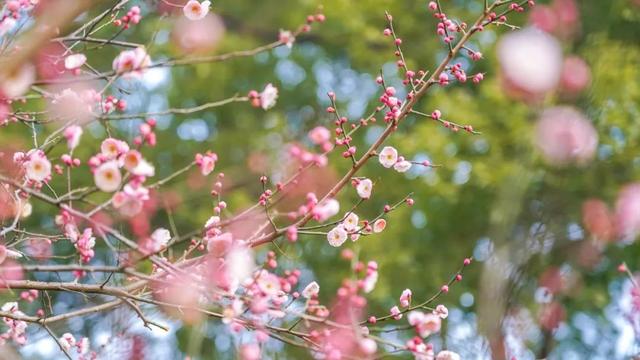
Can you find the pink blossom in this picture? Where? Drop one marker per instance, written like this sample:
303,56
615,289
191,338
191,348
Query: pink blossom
402,166
326,209
627,213
405,298
368,346
160,238
74,61
38,167
136,165
107,176
219,245
337,236
379,225
194,10
67,341
268,283
200,36
130,200
370,280
268,97
250,352
364,188
207,162
73,134
350,222
441,311
319,135
131,62
425,324
576,75
16,329
287,38
395,313
112,148
447,355
311,290
531,60
388,156
565,136
85,244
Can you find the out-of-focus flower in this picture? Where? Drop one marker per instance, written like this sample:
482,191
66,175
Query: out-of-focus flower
576,75
402,166
131,63
565,136
441,311
268,97
130,200
198,36
326,209
74,61
286,37
425,324
379,225
319,135
598,220
195,10
311,290
112,148
107,176
73,134
530,60
627,214
447,355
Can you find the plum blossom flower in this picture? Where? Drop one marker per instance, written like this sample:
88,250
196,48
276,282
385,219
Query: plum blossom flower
447,355
135,164
627,212
311,290
85,244
319,135
112,148
364,188
379,225
268,97
67,341
425,324
268,283
107,176
405,298
195,10
286,37
73,134
441,311
402,166
395,313
17,328
531,60
131,63
337,236
350,222
326,209
206,162
38,167
160,238
250,352
388,156
130,200
370,280
565,136
74,61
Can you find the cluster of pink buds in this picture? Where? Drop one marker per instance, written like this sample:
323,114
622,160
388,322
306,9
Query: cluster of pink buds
111,103
147,135
264,197
69,161
459,73
29,296
17,330
389,100
132,17
320,18
84,244
419,348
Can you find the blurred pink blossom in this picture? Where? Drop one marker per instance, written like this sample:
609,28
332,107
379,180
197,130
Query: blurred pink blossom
627,213
564,136
530,60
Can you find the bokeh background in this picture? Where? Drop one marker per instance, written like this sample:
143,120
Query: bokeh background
540,278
